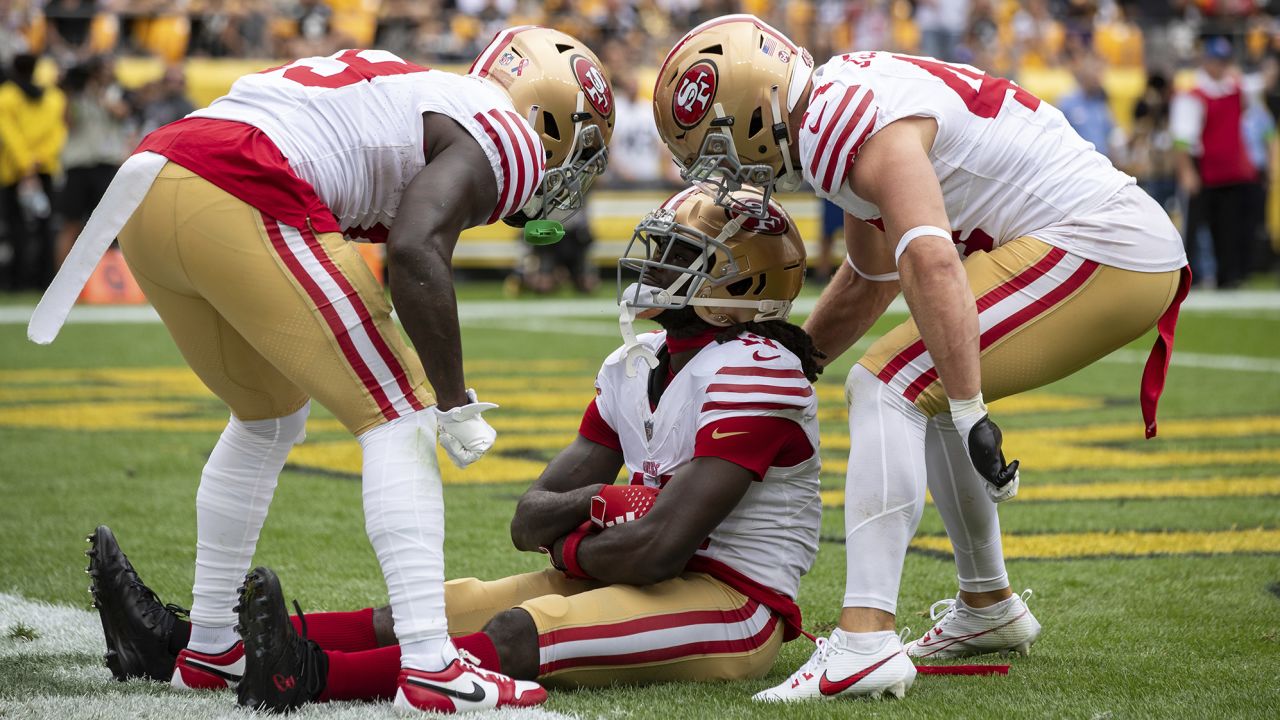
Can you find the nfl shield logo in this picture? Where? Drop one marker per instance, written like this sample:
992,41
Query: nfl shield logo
648,429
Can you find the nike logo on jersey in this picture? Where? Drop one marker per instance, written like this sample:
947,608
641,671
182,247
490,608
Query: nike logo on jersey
717,435
813,127
761,358
475,694
828,687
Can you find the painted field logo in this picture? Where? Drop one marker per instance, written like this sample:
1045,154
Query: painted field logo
775,224
593,84
694,93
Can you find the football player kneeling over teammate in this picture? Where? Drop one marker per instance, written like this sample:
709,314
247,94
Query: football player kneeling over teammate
688,572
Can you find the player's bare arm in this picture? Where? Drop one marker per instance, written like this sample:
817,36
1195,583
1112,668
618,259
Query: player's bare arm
894,172
556,503
852,302
454,191
657,546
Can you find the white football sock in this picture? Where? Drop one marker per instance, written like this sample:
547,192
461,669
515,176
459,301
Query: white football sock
212,640
972,523
404,518
884,489
231,505
865,642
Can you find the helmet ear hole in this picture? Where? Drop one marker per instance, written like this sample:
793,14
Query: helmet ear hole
756,125
740,288
550,126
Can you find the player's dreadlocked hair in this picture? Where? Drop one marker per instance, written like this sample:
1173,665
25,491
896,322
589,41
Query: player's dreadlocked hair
791,337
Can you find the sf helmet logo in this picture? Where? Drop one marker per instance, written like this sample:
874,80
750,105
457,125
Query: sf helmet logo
694,93
774,224
594,85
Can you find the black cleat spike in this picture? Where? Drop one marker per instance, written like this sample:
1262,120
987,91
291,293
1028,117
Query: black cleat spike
135,623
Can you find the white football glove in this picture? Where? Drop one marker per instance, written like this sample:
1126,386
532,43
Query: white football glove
463,433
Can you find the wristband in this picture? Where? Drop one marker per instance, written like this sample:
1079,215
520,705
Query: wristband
569,553
912,234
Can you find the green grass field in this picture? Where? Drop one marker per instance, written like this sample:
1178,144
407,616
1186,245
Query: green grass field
1155,564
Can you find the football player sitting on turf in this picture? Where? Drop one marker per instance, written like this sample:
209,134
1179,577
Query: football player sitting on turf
688,572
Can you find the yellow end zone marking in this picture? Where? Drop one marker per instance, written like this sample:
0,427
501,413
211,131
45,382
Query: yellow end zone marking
1128,543
1135,490
345,457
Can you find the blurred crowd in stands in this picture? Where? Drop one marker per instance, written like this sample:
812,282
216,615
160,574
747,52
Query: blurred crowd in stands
1210,69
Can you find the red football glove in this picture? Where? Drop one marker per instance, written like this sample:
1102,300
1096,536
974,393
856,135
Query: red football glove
621,503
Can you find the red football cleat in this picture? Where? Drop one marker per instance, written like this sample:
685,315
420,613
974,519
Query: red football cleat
463,688
198,671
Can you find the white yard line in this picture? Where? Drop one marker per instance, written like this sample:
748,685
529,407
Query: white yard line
1242,302
81,686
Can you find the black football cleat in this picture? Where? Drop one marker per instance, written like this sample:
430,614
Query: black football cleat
283,670
138,627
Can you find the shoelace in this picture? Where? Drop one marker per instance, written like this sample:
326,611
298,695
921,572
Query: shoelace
818,657
309,655
155,605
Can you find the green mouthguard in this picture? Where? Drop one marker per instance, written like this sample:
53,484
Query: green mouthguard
543,232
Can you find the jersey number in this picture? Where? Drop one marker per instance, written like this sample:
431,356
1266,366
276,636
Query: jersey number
351,69
985,100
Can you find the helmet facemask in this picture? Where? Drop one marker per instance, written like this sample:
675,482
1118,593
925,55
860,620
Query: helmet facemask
698,263
563,190
720,172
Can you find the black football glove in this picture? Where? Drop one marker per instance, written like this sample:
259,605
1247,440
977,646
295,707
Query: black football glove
983,445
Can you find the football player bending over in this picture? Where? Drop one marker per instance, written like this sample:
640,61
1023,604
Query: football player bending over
1064,260
233,221
689,571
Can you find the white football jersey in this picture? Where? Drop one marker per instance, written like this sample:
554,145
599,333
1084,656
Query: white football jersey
771,536
351,125
1009,164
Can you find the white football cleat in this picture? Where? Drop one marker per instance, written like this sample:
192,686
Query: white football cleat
837,670
960,631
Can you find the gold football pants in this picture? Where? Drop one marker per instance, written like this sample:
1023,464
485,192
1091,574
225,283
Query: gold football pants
691,627
1043,314
267,314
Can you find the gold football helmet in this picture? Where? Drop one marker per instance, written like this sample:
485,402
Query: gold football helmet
723,103
731,267
557,84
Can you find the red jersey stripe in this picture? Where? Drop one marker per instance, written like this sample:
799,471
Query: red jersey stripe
504,196
538,162
846,130
649,623
834,120
762,372
708,647
805,391
519,160
1013,322
999,292
708,407
366,319
330,316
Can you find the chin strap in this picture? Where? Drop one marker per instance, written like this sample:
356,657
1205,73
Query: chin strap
790,180
632,348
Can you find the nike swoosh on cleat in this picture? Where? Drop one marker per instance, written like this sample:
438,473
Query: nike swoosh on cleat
827,687
211,669
476,694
